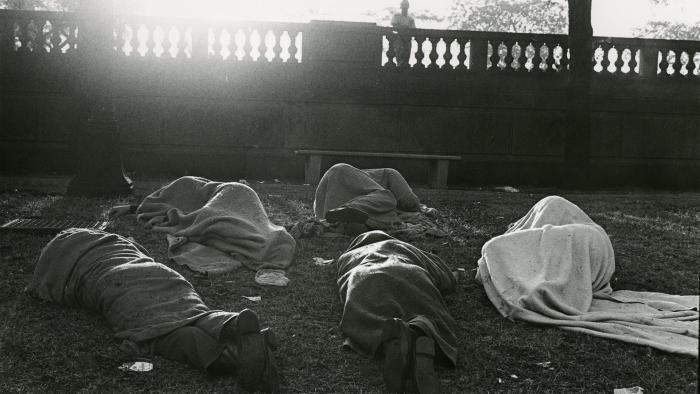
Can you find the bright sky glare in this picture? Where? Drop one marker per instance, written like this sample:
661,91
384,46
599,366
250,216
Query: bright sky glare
610,17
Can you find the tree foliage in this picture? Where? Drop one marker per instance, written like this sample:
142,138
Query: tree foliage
517,16
40,5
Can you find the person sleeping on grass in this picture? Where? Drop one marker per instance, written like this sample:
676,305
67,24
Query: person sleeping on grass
554,267
375,198
393,310
152,308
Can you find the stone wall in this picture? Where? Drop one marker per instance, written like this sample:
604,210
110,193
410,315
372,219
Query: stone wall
200,114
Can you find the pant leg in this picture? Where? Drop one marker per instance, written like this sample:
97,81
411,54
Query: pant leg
393,181
190,345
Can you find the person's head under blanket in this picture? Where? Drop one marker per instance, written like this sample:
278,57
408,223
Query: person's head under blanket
375,198
394,311
152,308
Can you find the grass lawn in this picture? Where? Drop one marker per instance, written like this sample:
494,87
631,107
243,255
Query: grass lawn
656,237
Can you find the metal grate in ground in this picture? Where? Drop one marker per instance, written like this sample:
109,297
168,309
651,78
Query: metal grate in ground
51,226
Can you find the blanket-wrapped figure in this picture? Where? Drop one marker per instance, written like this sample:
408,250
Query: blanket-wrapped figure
216,227
379,198
152,308
393,309
554,267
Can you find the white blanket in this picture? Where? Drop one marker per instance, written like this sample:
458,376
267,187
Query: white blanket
554,266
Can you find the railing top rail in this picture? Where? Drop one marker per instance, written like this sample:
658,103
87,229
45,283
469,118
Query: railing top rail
647,42
214,23
476,34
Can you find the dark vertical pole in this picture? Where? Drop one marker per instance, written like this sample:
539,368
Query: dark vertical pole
578,130
100,170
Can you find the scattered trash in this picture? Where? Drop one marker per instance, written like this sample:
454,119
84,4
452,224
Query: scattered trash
243,181
321,261
276,180
271,277
461,275
500,380
545,364
629,390
137,366
514,376
253,298
507,189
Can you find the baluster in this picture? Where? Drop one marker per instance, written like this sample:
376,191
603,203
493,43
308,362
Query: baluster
605,61
627,58
75,33
22,37
619,62
663,62
462,53
420,55
390,50
691,65
150,40
433,55
565,58
277,47
678,65
536,57
522,56
268,42
255,45
293,47
508,58
495,57
447,56
550,59
181,44
247,45
215,42
55,38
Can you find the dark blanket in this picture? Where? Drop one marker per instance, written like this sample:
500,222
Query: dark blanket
107,273
380,277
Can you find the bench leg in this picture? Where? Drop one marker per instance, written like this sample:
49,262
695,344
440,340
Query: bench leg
312,169
438,174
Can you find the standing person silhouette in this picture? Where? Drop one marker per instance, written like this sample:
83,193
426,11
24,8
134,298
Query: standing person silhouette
402,45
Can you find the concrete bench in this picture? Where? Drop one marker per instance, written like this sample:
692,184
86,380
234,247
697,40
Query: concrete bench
437,177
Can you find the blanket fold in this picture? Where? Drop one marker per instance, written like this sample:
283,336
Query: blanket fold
554,267
216,227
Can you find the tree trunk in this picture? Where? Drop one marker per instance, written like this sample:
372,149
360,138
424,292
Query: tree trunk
578,130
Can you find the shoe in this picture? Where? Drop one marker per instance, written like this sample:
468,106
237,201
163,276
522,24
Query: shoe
396,345
424,379
255,364
346,215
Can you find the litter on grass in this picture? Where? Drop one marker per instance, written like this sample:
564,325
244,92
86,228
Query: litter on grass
253,298
321,261
137,366
271,277
629,390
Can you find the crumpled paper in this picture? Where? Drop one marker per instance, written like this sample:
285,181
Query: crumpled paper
629,390
271,277
321,261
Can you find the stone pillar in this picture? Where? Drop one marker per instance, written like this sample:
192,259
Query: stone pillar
100,170
578,131
478,54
